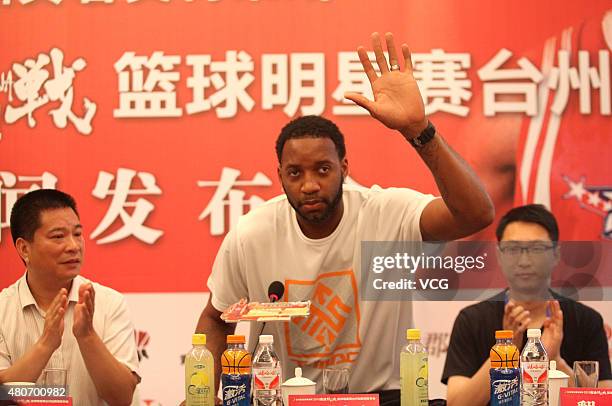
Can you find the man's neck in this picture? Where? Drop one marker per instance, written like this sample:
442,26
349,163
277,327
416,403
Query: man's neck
535,302
43,291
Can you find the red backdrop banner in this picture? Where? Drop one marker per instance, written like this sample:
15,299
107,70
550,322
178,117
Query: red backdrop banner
160,117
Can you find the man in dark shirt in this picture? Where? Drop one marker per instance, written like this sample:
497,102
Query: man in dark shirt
528,252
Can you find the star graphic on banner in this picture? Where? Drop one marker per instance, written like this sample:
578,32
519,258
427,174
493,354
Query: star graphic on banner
599,197
577,189
593,199
607,196
596,199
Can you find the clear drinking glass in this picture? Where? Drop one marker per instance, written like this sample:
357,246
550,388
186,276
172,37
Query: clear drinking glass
586,374
54,377
335,380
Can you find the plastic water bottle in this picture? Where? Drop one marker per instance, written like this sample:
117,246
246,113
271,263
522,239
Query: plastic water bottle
267,373
414,371
534,371
199,374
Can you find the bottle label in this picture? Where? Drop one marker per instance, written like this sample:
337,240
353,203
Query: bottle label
414,376
421,381
534,372
236,389
505,387
266,378
199,389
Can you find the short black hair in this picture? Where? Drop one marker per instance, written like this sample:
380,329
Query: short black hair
25,216
531,213
311,127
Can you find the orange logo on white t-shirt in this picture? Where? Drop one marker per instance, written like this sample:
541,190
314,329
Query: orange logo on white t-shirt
330,335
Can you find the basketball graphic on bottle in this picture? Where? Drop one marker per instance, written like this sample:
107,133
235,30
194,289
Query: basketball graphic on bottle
504,355
236,361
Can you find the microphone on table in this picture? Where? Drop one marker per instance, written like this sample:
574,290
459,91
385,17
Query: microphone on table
276,290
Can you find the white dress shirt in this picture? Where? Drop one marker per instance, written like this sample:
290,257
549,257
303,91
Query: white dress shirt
22,322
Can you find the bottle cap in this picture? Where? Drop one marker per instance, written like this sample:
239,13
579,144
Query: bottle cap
235,339
534,333
500,334
198,339
266,339
413,334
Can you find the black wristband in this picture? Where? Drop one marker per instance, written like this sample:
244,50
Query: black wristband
426,135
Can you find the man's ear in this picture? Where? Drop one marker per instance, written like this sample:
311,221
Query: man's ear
23,249
498,253
345,167
280,178
557,253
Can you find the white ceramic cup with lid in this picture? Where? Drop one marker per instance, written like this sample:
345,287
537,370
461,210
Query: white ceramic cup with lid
298,385
556,380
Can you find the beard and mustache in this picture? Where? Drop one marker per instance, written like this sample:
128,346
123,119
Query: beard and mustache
317,217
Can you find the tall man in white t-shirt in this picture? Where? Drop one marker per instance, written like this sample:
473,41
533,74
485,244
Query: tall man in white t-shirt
54,318
310,238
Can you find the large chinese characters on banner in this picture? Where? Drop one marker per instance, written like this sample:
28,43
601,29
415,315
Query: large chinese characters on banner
160,118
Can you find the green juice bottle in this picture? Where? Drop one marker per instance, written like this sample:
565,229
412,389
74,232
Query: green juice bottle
199,374
414,371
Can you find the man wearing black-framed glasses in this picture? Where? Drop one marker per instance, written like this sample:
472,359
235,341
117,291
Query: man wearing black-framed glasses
528,251
527,258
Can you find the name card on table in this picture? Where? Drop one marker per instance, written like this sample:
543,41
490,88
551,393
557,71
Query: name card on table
586,396
337,400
